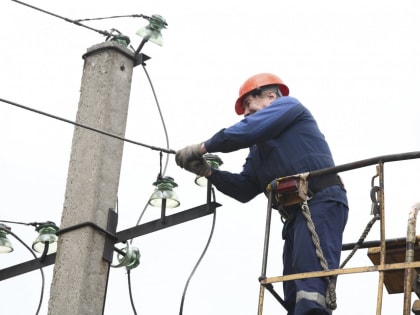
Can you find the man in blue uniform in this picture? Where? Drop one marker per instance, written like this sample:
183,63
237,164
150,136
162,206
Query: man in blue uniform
283,139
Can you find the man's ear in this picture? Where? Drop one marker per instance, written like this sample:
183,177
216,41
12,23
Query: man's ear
272,95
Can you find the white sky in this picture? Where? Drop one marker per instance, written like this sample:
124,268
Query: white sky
354,64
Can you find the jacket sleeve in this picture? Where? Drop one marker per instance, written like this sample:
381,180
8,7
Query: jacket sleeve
238,186
259,127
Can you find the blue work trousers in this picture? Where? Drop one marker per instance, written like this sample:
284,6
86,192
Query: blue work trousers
307,296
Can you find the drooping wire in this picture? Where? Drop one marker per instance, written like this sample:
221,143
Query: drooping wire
162,120
105,33
130,292
108,35
42,272
131,241
181,309
161,173
87,127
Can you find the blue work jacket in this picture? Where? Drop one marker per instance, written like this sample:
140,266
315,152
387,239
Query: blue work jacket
283,139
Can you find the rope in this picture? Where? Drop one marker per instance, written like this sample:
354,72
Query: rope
361,240
330,298
375,210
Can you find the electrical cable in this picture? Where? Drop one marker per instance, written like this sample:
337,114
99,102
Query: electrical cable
87,127
168,151
42,272
15,222
161,173
201,257
143,42
130,292
114,17
105,33
35,224
108,35
162,120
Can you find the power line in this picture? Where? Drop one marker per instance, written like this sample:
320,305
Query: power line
113,33
114,17
77,22
105,33
108,35
87,127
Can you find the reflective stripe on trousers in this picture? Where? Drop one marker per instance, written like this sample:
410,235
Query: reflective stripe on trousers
316,297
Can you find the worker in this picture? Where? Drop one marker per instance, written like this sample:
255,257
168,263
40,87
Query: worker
283,140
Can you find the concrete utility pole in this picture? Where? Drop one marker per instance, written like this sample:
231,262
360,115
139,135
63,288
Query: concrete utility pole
80,273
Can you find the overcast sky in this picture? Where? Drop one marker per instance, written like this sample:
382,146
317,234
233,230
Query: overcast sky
354,64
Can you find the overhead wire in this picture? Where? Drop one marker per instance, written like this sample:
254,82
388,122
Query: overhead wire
87,127
167,150
16,222
112,34
108,35
113,17
105,33
161,172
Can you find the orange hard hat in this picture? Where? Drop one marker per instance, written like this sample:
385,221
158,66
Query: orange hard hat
255,82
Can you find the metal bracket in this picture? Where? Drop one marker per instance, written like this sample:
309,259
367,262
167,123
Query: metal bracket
140,59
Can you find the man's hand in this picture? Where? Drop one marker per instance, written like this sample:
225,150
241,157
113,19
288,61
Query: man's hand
191,152
198,166
191,158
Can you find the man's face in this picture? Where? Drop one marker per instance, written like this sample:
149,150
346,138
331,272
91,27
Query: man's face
253,103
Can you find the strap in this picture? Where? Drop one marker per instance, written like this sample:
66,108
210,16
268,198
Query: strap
317,184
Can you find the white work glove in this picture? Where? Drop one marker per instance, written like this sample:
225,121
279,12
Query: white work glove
191,159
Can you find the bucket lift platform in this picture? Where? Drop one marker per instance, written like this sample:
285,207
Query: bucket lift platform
397,261
395,280
395,253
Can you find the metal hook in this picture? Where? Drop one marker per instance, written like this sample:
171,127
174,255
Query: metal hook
375,209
